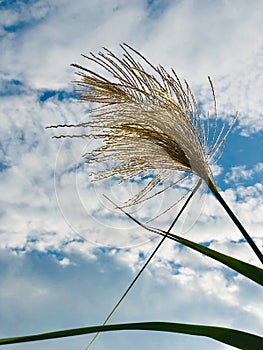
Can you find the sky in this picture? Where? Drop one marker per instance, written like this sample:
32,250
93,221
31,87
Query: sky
66,254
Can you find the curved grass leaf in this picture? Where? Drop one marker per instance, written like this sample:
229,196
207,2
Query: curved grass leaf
252,272
236,338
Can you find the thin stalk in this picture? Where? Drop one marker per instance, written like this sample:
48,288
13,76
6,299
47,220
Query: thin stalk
235,220
149,258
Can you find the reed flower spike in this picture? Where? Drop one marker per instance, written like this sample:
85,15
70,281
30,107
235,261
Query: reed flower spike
148,120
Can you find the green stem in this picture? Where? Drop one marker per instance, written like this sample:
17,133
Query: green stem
149,258
235,220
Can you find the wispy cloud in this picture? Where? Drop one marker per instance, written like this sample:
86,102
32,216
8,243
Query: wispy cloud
239,174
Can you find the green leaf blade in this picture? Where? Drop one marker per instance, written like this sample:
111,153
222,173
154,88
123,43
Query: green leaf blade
252,272
236,338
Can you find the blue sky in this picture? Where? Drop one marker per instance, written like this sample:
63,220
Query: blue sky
66,254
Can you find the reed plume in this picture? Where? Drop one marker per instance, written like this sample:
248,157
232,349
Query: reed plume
148,120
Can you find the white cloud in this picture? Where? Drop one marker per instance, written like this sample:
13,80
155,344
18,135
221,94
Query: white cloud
237,173
241,173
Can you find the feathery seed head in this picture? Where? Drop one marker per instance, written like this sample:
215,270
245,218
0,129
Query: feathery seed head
147,119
